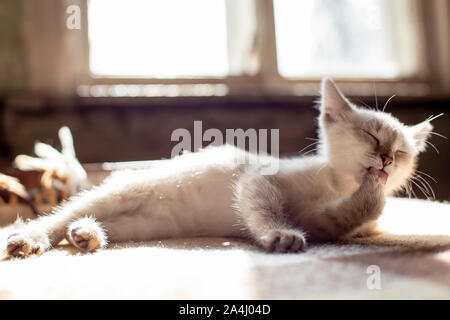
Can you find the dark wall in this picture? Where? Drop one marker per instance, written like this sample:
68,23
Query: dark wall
137,131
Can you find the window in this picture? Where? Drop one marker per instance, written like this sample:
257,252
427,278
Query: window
344,38
158,39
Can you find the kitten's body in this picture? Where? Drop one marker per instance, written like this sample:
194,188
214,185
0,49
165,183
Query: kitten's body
212,193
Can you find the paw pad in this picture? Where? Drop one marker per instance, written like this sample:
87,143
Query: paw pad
86,238
284,241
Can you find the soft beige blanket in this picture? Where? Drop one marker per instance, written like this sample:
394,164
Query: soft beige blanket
413,258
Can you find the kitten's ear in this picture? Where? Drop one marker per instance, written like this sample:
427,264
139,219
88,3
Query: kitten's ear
333,102
420,133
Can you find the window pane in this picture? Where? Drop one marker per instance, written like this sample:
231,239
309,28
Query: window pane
343,38
158,38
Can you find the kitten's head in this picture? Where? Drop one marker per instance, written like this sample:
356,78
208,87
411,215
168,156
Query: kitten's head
355,139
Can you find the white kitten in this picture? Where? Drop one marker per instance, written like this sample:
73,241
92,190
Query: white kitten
363,156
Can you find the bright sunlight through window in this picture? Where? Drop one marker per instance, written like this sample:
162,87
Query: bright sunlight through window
158,38
345,38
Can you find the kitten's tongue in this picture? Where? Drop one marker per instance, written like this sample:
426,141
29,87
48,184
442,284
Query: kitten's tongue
380,173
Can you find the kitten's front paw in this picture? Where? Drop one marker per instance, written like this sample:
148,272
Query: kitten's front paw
86,234
371,193
283,241
18,245
372,184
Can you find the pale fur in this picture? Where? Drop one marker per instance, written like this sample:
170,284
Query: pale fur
326,196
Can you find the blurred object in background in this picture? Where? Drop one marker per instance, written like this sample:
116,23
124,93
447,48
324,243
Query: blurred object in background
52,177
61,170
12,193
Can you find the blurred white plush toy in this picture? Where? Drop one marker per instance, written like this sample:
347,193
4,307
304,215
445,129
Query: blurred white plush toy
70,176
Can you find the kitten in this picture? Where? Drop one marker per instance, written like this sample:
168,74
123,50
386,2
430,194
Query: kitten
364,155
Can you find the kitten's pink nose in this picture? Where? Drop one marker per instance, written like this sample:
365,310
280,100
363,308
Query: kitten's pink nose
386,160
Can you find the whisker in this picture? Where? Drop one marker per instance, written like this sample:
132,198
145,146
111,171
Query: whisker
423,192
420,176
313,139
427,175
439,135
421,189
424,186
428,184
406,189
308,152
431,118
414,194
309,145
412,190
385,105
432,145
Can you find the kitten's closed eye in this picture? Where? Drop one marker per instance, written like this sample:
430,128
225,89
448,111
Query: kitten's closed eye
372,136
400,153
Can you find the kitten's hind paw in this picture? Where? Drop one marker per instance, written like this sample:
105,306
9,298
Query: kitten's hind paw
283,241
86,235
19,246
